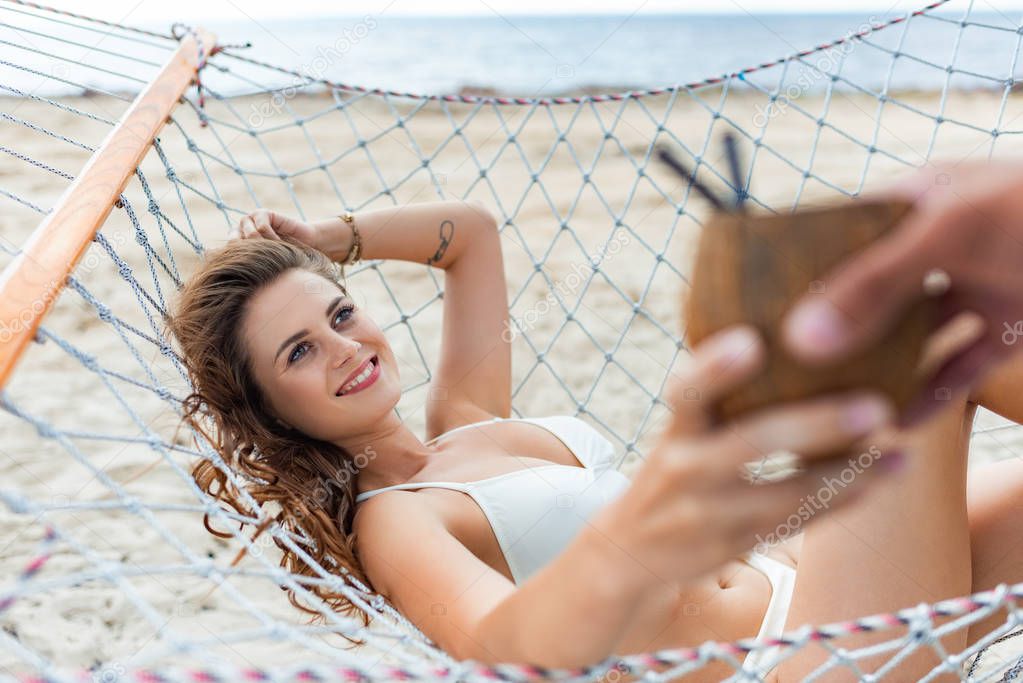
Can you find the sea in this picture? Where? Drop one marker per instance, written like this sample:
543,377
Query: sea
550,55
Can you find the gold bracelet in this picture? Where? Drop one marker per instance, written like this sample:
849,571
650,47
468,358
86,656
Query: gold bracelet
355,251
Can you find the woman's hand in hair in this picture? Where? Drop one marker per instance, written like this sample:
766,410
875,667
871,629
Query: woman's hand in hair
692,507
267,224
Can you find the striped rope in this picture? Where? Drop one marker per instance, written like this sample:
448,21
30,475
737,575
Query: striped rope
32,567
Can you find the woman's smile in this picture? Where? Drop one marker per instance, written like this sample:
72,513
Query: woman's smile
363,379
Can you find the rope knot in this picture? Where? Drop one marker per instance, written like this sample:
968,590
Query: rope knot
105,314
179,31
46,431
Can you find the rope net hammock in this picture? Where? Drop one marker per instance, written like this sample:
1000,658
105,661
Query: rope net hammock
108,571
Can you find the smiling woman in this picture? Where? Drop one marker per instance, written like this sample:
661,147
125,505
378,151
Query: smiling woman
294,383
239,413
307,342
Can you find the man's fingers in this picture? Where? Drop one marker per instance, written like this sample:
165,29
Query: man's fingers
863,294
720,362
955,375
951,335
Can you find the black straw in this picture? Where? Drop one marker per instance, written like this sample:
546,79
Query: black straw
668,158
732,151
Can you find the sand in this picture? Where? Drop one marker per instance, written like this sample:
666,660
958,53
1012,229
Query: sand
589,199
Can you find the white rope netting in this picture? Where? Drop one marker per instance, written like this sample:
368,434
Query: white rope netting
108,570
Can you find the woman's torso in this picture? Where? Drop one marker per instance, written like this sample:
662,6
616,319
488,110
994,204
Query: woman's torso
497,448
724,606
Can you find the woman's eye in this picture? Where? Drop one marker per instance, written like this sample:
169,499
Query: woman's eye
349,309
297,352
344,313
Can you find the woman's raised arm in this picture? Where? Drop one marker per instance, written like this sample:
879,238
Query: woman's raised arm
433,233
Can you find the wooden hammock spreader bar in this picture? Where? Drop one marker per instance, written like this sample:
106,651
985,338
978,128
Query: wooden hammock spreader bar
31,283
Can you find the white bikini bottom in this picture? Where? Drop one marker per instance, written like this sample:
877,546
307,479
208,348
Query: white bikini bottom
782,578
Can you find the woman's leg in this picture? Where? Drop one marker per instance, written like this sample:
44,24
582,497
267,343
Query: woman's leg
995,503
906,542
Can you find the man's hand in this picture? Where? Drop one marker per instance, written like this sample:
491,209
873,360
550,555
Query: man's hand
968,221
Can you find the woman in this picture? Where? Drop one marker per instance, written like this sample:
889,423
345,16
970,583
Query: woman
512,540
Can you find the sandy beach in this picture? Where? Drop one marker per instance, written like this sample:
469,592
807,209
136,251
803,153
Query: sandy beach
600,341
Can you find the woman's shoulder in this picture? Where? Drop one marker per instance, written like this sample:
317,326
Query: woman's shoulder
382,511
397,531
453,415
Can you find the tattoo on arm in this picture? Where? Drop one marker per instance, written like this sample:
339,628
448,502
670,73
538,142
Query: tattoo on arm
447,233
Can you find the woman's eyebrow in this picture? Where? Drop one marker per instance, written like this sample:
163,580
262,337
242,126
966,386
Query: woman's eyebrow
301,333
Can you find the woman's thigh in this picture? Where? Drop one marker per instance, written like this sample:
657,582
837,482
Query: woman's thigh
906,542
995,504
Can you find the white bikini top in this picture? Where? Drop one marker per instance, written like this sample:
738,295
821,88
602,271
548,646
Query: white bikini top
536,511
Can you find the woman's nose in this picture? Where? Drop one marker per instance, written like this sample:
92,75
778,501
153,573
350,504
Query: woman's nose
345,349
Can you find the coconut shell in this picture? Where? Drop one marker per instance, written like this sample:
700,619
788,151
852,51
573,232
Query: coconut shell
751,267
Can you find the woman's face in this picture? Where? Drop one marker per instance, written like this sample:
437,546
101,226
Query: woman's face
306,339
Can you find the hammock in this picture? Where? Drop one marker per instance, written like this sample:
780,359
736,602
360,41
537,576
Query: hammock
110,574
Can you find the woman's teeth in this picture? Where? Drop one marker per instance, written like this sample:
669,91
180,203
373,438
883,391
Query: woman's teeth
361,378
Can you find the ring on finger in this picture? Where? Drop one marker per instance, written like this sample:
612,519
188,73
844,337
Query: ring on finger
936,282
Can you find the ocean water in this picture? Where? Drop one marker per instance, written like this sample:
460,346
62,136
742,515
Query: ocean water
534,55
